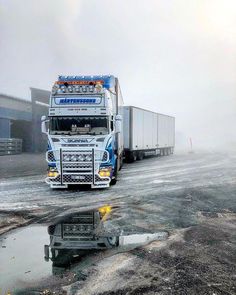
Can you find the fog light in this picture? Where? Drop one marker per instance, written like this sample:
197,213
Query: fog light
81,228
104,210
70,88
74,228
89,227
105,173
63,88
53,173
67,228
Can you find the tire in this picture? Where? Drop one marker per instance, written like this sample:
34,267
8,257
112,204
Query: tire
60,257
113,241
114,180
134,155
140,156
121,161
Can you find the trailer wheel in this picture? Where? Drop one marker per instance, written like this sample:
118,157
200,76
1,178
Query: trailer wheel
132,157
140,156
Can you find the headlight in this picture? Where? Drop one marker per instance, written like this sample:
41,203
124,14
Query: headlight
81,228
73,158
70,88
67,228
74,227
81,158
63,88
88,158
55,89
98,87
89,227
66,158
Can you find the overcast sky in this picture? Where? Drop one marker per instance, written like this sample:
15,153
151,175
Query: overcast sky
171,56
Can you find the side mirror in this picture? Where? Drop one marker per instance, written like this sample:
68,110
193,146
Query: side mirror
118,123
43,124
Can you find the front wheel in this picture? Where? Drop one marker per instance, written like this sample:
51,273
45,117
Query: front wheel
113,241
114,176
113,181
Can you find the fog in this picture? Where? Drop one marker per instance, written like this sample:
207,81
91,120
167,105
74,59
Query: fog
173,57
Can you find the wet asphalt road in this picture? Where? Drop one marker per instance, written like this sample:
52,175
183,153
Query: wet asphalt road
192,196
152,194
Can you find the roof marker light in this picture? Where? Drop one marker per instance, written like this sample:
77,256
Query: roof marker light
63,88
70,88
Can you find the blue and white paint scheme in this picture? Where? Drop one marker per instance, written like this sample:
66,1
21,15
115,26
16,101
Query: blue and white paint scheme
85,140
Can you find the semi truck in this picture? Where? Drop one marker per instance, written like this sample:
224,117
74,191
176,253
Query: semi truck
90,132
81,231
85,140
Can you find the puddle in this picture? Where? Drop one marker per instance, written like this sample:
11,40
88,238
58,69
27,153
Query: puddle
22,258
74,236
33,253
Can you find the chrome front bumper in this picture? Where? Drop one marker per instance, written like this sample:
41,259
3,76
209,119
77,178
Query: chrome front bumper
79,170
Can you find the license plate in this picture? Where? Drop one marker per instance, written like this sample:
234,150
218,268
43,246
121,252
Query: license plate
80,177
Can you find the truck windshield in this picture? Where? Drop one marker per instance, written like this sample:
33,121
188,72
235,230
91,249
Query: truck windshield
79,125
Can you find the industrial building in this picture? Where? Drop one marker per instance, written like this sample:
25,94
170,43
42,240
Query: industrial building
21,119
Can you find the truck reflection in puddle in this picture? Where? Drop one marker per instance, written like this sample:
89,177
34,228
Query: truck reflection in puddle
78,232
77,235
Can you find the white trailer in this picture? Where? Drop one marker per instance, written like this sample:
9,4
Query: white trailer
147,133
